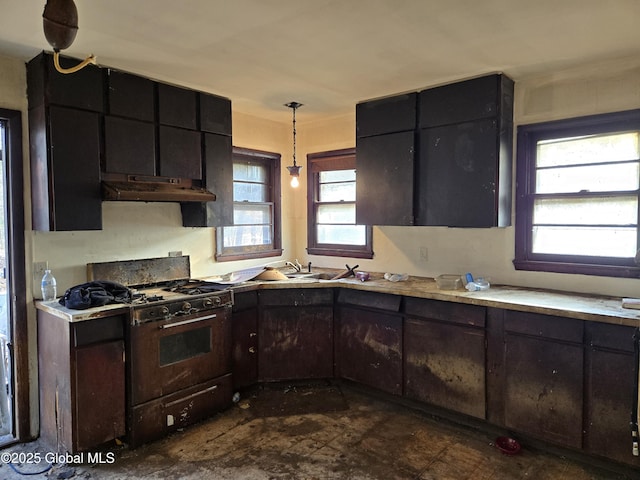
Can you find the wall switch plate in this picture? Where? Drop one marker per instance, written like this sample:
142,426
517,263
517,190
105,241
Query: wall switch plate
424,254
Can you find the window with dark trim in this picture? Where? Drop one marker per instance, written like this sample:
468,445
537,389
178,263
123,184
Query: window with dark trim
578,197
331,204
255,232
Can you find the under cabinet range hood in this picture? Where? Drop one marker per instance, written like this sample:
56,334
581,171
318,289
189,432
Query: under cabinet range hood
155,189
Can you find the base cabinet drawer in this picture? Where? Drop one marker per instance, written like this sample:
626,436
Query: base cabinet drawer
157,418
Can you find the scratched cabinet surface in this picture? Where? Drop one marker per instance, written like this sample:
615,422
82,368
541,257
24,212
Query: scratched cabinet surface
244,328
369,339
295,334
444,355
609,390
543,377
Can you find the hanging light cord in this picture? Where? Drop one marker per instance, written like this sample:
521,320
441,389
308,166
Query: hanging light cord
89,60
294,135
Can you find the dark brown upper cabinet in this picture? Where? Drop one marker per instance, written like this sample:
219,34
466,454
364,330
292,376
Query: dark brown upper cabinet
131,96
180,153
177,106
129,146
465,153
215,114
454,166
386,115
64,144
65,169
46,86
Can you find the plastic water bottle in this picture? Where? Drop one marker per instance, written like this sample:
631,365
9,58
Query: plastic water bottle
49,290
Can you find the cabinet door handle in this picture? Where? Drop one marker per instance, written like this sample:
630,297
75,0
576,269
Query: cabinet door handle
252,349
187,322
253,334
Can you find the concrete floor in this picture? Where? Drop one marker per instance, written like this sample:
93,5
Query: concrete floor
320,432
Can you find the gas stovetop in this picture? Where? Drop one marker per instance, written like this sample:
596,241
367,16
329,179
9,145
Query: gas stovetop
174,291
178,298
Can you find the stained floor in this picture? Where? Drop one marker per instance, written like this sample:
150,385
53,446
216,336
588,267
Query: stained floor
319,432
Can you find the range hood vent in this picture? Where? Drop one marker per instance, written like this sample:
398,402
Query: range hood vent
154,189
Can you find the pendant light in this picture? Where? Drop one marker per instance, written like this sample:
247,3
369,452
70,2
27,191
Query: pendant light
294,170
60,25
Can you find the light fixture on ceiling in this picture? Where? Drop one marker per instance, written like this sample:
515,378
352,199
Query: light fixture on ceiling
60,25
294,170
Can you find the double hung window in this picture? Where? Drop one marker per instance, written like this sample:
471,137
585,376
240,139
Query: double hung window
332,228
577,195
255,231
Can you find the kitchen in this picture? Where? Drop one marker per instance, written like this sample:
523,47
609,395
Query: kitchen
146,230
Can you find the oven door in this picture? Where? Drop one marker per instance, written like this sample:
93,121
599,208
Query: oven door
170,355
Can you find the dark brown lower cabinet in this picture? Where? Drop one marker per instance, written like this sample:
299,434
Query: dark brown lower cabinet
444,355
369,340
295,334
610,389
543,377
82,381
244,327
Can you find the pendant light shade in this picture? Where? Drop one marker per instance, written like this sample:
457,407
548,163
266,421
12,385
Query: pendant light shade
60,25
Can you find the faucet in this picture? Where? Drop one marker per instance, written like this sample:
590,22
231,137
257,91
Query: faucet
296,265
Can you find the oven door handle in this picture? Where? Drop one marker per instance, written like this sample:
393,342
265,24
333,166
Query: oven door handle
187,322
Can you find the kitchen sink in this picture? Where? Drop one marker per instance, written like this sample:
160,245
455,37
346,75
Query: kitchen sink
310,276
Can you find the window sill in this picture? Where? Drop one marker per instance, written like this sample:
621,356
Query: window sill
578,268
230,257
339,252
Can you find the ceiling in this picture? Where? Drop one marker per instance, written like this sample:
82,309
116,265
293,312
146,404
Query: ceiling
331,54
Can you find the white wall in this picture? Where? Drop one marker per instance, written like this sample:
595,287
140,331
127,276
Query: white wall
605,87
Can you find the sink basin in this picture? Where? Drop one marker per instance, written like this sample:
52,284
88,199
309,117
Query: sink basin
312,275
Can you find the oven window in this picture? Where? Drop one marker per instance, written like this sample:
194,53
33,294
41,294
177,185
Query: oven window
183,346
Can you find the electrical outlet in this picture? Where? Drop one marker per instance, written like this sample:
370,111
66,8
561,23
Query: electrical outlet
38,269
424,254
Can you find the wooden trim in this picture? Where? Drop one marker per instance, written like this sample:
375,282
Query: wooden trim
17,278
527,138
331,160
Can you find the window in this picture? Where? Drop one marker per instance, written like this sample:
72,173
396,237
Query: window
577,195
255,232
331,217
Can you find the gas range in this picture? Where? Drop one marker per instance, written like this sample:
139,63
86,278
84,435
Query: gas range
177,298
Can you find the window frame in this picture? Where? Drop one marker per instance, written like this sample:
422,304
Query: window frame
343,159
272,161
527,138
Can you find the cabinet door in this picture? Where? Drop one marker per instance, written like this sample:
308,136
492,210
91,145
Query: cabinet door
543,389
458,175
215,114
129,146
245,348
131,96
75,201
83,89
463,101
180,153
386,115
610,390
384,190
100,398
218,175
177,106
444,364
296,343
369,348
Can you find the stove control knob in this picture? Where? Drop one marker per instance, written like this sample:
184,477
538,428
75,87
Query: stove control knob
164,311
186,307
207,302
217,300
